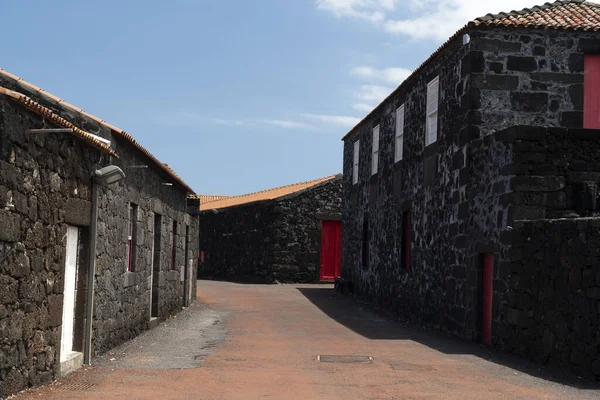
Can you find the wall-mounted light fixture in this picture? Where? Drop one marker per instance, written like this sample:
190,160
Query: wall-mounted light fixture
104,176
167,184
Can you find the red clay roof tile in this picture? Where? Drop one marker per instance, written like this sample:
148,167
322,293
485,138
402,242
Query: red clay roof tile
230,201
562,14
120,132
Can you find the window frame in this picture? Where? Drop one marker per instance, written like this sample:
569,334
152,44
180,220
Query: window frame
375,150
132,236
399,135
432,111
355,162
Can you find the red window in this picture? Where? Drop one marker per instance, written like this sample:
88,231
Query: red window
406,239
591,96
131,237
366,237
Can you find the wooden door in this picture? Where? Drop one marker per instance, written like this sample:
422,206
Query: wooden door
591,95
331,250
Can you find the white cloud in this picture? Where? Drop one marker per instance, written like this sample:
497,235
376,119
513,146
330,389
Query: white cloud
363,107
372,93
423,19
372,10
292,121
389,75
288,124
337,120
231,122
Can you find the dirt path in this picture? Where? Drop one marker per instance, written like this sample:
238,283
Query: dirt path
285,342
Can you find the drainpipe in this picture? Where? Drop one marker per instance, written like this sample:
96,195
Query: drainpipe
105,176
87,355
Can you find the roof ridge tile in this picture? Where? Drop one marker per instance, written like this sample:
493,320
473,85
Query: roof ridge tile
267,194
561,14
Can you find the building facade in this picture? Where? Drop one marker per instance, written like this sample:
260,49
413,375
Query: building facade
287,234
142,229
431,196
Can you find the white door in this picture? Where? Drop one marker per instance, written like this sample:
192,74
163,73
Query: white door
66,341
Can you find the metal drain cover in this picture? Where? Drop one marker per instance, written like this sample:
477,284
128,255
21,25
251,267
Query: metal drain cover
344,359
77,386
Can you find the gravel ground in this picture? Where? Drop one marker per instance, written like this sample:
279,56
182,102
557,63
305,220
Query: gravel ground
178,343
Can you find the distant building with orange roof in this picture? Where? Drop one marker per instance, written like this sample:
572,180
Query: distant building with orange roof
287,234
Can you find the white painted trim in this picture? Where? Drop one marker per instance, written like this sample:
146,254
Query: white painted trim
70,278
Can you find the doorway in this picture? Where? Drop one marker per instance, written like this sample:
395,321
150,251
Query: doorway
186,273
69,294
154,296
486,297
331,250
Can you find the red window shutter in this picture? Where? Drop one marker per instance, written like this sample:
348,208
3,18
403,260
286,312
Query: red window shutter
591,97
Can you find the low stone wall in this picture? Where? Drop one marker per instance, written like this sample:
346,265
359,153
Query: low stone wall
554,295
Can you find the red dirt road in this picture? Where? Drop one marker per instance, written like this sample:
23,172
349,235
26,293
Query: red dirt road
275,334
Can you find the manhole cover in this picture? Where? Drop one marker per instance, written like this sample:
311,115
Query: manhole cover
344,359
76,386
402,366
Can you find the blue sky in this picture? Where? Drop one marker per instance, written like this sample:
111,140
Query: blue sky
236,95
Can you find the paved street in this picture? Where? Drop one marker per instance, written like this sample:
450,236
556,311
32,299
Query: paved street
283,342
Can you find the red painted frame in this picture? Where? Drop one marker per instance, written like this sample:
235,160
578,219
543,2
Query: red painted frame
488,293
331,250
591,92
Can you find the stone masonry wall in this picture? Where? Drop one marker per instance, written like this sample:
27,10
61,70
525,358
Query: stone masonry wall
528,77
429,182
297,230
454,188
45,185
269,241
237,242
554,301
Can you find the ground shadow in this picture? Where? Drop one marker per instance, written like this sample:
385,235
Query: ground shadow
372,325
240,279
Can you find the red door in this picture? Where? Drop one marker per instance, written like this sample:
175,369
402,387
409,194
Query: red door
591,95
331,250
488,292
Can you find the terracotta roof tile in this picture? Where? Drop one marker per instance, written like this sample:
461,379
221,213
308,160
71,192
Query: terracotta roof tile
207,198
262,195
562,14
47,113
120,132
